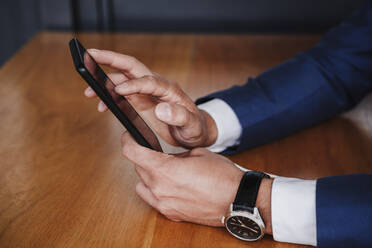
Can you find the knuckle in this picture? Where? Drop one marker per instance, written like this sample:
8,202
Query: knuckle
138,188
132,62
174,84
176,91
174,87
161,207
157,189
115,60
151,79
173,218
125,150
164,209
168,211
132,59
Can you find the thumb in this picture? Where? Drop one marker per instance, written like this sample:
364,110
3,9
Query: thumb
186,125
175,115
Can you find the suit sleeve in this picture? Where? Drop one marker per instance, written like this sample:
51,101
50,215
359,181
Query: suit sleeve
311,87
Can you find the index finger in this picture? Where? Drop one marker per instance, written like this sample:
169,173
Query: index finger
129,65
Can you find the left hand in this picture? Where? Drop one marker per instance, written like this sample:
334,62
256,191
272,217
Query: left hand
197,186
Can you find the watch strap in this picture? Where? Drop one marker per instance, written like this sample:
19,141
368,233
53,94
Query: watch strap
246,196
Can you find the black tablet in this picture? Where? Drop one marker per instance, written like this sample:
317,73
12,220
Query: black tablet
119,106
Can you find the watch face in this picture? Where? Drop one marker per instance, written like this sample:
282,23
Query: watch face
243,228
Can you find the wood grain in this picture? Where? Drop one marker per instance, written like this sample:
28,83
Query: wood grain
63,182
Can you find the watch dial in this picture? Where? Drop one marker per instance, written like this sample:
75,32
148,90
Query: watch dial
243,228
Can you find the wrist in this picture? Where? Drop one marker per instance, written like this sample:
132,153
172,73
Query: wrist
263,203
210,128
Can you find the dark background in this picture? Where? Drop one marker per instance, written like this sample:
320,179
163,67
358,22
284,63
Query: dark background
21,19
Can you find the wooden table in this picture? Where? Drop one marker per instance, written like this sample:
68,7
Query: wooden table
63,181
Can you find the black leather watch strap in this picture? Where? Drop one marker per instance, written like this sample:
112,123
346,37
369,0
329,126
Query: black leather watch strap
246,196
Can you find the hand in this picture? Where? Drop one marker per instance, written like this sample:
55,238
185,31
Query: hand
197,186
163,105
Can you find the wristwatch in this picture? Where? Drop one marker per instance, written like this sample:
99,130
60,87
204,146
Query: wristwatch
243,219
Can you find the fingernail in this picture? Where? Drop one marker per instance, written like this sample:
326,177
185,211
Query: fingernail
88,91
93,50
100,106
163,111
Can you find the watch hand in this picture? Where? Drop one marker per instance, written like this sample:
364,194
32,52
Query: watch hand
244,226
240,221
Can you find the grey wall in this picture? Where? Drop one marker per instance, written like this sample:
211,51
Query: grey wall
232,15
20,19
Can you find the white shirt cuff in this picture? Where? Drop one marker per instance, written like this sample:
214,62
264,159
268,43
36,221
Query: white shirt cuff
228,125
293,210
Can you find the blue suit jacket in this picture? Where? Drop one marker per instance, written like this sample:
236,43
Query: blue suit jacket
314,86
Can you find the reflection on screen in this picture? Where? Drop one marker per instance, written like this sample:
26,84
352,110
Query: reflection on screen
120,101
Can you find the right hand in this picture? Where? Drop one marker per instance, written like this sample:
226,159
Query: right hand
163,105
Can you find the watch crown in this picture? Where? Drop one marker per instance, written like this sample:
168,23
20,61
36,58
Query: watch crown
223,220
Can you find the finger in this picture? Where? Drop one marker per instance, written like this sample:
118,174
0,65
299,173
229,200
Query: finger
89,92
117,77
146,195
175,115
143,175
186,124
101,107
128,64
149,85
144,157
